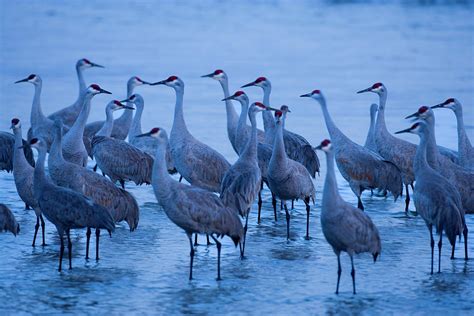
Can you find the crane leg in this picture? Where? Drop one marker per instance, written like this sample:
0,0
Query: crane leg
36,231
180,178
274,204
42,229
452,250
61,252
440,244
95,168
308,209
359,203
208,241
196,239
97,236
122,184
430,227
465,232
191,254
281,205
218,245
407,199
245,235
88,239
27,207
339,271
287,221
293,204
353,275
69,248
259,205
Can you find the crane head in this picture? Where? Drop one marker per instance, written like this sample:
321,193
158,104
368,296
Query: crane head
325,145
377,88
37,143
86,63
15,123
137,81
156,132
31,78
315,94
218,75
423,112
416,128
259,82
257,107
134,98
285,109
239,96
118,105
450,103
172,81
96,89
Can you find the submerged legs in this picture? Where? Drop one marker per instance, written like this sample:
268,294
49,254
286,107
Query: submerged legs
42,229
274,204
353,273
430,227
69,248
61,252
287,221
88,239
191,254
339,270
36,231
97,236
407,199
218,245
245,235
465,231
308,209
440,244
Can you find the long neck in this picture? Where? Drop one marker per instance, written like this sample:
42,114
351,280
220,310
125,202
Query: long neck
56,152
37,116
232,116
39,176
128,113
79,125
330,192
106,129
136,128
464,144
420,162
19,160
250,151
82,82
268,121
334,132
432,151
369,141
161,180
242,120
178,123
278,145
380,126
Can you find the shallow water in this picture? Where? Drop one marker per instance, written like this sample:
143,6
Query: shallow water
423,54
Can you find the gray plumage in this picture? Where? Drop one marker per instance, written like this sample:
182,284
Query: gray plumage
7,142
192,209
65,208
198,163
120,203
362,168
288,179
436,199
370,140
345,227
122,124
8,222
69,114
146,144
296,146
23,177
465,150
462,179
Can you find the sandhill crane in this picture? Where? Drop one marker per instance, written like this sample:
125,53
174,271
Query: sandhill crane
8,221
121,204
287,178
69,114
232,117
122,124
73,145
63,207
264,151
345,227
462,179
242,182
119,160
436,200
465,150
296,146
191,208
196,162
7,142
23,176
145,144
370,140
41,126
391,148
362,168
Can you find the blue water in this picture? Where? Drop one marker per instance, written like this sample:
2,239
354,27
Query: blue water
421,51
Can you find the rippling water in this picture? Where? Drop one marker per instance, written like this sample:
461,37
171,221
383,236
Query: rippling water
423,54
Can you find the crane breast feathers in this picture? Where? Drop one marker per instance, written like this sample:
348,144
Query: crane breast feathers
364,234
207,162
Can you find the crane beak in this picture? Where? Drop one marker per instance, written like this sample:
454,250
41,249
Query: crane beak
365,90
307,95
319,147
248,84
97,65
158,83
105,91
438,106
128,107
407,130
272,109
21,147
208,75
22,80
414,115
126,100
144,134
229,98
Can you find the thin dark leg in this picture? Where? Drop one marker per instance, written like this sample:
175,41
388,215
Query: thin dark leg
196,239
353,275
281,205
293,204
95,168
274,204
465,232
218,245
371,192
122,183
339,270
43,226
97,236
412,187
287,222
430,227
308,209
36,231
180,178
191,254
407,199
452,250
359,204
27,207
69,248
61,252
208,241
440,244
259,204
88,239
245,236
